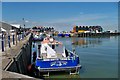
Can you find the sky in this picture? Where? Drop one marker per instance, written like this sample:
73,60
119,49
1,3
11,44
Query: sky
60,0
62,15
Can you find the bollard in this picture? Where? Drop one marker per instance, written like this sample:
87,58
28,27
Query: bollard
9,41
22,35
18,37
2,43
13,40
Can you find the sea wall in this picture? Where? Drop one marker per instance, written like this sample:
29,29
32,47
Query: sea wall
21,61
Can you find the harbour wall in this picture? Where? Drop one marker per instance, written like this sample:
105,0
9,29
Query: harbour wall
96,34
20,62
85,34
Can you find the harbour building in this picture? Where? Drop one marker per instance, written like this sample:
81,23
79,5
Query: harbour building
87,29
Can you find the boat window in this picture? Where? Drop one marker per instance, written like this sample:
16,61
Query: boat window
59,49
39,50
45,48
33,45
34,56
53,46
66,52
39,46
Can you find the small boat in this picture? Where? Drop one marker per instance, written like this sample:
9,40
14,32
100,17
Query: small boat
37,37
50,55
67,35
61,35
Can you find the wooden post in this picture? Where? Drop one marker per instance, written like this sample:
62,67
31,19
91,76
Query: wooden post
8,38
2,43
16,36
5,43
13,39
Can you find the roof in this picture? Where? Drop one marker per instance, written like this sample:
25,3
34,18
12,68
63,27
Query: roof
2,29
5,26
16,25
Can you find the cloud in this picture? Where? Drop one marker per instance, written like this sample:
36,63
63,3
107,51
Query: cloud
26,21
80,18
67,24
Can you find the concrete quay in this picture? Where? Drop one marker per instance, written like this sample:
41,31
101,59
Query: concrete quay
7,59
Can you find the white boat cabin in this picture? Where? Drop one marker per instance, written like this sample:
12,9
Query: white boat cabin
50,48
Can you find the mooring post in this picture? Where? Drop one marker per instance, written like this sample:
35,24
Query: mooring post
16,37
2,42
23,35
5,41
13,40
9,41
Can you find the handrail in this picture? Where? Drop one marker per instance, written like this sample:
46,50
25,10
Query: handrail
49,59
72,53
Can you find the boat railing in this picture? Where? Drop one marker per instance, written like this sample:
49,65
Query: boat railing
51,59
72,53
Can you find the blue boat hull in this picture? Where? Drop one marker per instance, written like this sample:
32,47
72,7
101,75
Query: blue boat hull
63,35
56,63
67,35
37,39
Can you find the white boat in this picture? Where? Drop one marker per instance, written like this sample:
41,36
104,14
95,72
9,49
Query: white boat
50,55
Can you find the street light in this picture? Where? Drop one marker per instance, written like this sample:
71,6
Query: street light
24,27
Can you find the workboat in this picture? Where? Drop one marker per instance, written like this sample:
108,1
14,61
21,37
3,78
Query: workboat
67,35
50,55
64,35
37,36
61,35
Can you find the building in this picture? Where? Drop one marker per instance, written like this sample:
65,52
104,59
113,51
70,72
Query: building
15,26
5,27
43,29
87,29
9,28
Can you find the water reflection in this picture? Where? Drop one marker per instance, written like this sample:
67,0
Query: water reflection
101,60
88,42
62,75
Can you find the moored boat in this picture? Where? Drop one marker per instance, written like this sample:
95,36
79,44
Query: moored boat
37,36
50,55
61,35
64,35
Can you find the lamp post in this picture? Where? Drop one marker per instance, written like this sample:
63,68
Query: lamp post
24,27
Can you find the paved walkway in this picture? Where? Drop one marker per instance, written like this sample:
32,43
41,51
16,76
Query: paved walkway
14,76
9,53
7,56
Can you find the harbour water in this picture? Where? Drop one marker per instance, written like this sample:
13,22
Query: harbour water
98,55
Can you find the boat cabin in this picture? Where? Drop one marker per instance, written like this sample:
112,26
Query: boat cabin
50,48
